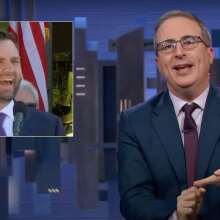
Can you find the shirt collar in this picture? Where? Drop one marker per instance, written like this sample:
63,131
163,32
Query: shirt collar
179,103
8,110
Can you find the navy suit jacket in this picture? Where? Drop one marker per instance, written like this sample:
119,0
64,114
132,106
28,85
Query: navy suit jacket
152,169
39,123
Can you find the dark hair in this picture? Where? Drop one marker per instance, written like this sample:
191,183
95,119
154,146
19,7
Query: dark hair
206,36
4,35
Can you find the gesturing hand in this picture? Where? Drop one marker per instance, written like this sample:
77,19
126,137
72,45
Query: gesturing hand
189,203
211,180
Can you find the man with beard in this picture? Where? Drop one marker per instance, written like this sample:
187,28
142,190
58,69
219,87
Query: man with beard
35,123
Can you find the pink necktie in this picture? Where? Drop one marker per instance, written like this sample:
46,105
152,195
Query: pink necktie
190,143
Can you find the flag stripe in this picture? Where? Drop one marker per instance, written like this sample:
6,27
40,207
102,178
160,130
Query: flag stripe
13,27
28,73
35,61
31,41
40,43
42,26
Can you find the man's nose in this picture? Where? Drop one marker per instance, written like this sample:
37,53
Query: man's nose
179,51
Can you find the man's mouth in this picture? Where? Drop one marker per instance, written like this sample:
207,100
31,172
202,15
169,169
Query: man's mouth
183,67
6,81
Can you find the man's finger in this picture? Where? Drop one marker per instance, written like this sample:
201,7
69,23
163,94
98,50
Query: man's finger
202,190
217,172
208,181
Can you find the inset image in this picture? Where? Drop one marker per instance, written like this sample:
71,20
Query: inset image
36,78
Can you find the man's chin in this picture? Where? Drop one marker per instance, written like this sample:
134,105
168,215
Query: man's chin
6,97
186,85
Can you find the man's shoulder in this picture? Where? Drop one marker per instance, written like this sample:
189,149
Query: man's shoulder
147,106
215,89
38,114
39,123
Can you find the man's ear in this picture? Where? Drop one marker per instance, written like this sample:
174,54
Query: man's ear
158,63
211,54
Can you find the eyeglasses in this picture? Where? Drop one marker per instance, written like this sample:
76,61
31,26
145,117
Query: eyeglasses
187,42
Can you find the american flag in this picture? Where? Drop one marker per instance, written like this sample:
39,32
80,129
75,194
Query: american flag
31,39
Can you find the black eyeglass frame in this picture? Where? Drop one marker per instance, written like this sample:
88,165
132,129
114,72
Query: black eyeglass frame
174,42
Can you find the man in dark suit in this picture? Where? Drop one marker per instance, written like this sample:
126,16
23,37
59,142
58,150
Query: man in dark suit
157,168
35,123
38,123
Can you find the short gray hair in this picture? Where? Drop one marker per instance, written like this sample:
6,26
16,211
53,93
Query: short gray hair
206,36
30,87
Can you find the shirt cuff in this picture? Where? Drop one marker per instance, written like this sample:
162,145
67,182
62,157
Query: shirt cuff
173,216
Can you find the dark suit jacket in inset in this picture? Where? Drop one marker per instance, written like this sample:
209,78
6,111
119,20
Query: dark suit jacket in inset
152,169
39,123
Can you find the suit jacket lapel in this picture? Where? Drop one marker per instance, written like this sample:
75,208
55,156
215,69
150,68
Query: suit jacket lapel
166,125
210,131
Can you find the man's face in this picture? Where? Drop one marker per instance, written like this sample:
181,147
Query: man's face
10,71
184,69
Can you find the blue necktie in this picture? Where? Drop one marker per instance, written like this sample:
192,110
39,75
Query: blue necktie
2,118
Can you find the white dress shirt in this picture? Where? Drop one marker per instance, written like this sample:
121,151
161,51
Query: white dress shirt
197,115
8,121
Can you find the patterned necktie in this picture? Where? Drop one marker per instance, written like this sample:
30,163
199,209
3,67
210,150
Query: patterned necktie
2,131
190,143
